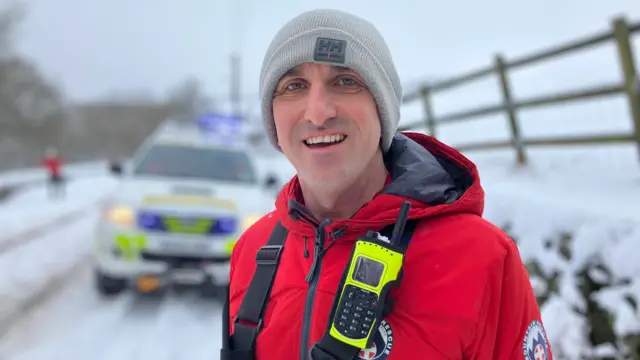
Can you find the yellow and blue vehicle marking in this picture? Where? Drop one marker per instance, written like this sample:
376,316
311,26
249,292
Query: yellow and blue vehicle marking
130,246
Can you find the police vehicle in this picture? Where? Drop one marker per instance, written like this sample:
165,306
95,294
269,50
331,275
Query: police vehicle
179,209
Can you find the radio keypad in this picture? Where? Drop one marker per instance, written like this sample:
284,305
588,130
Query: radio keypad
356,312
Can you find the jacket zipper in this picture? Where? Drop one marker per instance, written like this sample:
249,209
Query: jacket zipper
312,278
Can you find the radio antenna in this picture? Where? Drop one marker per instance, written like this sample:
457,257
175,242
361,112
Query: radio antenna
398,229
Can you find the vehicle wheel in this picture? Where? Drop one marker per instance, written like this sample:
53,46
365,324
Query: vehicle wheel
108,286
211,291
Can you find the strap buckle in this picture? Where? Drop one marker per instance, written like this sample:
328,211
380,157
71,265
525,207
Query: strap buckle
244,334
318,353
269,255
257,326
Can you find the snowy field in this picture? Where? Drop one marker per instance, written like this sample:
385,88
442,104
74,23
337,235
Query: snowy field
602,217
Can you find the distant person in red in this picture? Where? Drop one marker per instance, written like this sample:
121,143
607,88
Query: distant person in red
53,164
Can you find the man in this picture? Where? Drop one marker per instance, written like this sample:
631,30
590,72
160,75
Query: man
331,103
53,164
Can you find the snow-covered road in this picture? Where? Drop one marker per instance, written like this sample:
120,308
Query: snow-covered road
78,324
74,322
70,321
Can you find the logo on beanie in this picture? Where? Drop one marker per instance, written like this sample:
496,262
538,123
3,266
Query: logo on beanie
330,50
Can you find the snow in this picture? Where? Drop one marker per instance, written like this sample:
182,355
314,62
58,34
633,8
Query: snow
43,240
26,271
598,203
31,210
54,269
77,324
596,239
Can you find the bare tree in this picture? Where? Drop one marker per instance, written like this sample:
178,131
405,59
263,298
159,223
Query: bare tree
34,114
10,16
188,98
31,108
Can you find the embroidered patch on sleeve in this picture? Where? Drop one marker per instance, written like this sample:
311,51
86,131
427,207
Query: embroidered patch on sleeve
382,343
535,345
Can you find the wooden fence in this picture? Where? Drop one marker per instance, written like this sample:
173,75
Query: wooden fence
621,32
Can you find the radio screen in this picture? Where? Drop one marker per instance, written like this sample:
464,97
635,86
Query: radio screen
368,271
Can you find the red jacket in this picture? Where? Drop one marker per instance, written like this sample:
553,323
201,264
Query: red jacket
465,293
53,165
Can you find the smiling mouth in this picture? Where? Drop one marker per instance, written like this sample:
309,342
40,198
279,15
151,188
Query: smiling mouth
324,140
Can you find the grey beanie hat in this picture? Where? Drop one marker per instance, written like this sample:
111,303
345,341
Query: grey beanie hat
336,38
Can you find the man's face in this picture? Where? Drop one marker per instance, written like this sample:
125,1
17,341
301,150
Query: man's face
327,123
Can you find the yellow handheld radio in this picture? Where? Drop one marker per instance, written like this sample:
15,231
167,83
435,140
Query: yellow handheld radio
373,269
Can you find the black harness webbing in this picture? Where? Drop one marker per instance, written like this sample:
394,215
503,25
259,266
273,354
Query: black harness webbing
241,344
248,323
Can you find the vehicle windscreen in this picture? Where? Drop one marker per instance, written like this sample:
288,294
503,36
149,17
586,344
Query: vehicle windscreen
176,161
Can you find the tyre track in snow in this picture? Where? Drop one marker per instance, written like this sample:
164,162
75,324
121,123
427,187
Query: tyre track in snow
44,249
38,270
36,232
79,324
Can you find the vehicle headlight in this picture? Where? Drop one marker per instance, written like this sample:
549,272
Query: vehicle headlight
247,221
120,215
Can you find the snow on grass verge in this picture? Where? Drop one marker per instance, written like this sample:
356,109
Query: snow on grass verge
585,269
32,208
33,271
45,241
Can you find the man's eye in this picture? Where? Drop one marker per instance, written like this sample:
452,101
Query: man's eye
294,86
290,88
346,81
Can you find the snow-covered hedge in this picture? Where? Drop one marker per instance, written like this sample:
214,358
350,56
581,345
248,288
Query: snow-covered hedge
586,274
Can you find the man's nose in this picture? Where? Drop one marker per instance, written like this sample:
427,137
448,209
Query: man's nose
320,107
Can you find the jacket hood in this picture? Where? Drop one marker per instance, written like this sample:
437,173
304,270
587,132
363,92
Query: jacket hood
434,177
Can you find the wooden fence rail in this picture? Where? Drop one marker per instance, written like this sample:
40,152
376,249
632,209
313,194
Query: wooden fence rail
621,33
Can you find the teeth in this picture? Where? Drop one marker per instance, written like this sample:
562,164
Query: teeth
326,139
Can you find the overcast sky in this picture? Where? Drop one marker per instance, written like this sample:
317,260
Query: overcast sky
97,47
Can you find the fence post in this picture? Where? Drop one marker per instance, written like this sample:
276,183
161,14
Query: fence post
516,138
429,119
631,85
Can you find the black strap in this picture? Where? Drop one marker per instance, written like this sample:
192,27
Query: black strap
329,348
248,322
